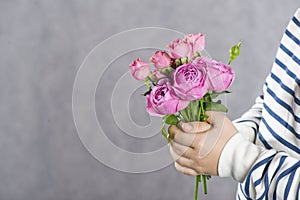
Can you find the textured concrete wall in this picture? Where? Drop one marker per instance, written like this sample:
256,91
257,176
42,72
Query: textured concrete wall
42,45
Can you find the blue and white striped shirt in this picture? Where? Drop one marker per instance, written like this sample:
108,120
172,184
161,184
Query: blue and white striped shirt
270,169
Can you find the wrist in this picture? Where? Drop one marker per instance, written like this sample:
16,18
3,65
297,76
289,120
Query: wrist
237,158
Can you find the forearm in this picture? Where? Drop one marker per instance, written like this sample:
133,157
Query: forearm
262,172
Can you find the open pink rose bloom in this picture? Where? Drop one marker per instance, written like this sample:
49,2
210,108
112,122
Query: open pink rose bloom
189,81
163,101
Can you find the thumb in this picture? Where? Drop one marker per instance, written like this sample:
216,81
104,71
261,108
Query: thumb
194,127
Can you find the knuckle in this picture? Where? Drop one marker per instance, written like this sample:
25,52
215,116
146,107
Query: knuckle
179,160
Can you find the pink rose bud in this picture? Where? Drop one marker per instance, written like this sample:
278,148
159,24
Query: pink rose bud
139,69
196,42
189,81
219,75
179,48
163,101
160,59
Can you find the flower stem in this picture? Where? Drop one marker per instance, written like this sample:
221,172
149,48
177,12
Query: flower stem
189,109
203,177
147,84
196,187
184,115
202,111
199,112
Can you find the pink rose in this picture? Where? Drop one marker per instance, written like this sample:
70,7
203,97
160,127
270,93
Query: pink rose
160,59
188,46
219,75
196,42
179,48
189,81
139,70
163,101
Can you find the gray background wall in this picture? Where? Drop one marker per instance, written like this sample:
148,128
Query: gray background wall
42,45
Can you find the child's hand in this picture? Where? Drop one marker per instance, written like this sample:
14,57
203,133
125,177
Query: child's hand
196,146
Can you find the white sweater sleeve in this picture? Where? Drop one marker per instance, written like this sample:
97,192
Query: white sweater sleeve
263,173
249,122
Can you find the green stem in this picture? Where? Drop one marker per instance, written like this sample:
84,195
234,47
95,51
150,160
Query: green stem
147,84
203,177
189,109
202,111
196,187
184,115
199,112
195,110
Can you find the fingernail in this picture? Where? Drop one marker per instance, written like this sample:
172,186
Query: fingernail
187,127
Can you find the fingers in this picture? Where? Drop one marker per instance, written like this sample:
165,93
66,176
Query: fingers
180,137
183,161
185,170
194,127
178,150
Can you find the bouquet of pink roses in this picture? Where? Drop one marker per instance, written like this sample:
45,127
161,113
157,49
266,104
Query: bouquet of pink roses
184,84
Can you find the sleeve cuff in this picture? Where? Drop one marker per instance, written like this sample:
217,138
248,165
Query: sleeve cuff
246,131
237,158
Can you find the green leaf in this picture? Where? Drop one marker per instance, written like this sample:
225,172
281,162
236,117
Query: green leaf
212,95
215,106
170,119
204,118
166,71
164,132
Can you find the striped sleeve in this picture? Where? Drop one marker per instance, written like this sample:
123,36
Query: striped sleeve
275,173
269,168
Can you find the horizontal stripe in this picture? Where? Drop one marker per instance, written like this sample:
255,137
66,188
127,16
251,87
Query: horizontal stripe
286,88
291,74
292,37
279,138
296,21
289,53
288,108
263,140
